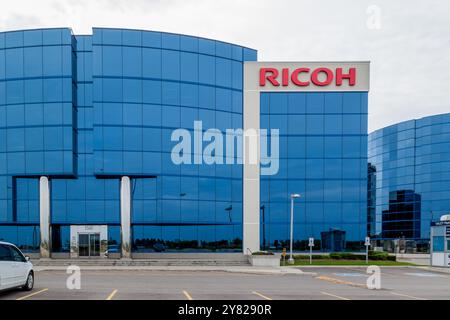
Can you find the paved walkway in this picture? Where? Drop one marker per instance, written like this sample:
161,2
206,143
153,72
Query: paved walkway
233,269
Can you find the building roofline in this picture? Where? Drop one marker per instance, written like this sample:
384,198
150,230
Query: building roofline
174,33
405,121
39,29
128,29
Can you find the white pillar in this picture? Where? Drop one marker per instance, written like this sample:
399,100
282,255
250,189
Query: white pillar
125,216
44,216
251,203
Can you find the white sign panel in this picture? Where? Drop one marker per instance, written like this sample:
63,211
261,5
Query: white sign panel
301,76
307,76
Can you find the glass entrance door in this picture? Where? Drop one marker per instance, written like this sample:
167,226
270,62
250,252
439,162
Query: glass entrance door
83,245
89,245
94,245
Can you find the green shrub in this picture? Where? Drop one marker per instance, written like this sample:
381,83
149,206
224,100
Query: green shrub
373,255
262,253
392,258
377,255
346,256
314,256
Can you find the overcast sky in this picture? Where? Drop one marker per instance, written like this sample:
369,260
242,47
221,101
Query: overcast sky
407,42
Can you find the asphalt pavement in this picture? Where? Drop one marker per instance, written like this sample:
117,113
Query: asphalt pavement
319,283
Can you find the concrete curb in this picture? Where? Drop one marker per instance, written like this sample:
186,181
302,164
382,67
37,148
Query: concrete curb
349,266
246,270
435,269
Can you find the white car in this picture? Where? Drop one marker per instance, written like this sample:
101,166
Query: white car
16,270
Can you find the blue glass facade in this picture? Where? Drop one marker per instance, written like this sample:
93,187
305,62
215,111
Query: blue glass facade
323,157
411,162
37,127
86,110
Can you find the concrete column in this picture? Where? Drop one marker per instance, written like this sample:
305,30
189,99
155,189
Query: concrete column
251,205
125,216
44,216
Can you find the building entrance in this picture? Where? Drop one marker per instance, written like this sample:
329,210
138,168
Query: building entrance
88,241
89,245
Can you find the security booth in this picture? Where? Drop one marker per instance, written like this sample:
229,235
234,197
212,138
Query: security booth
440,242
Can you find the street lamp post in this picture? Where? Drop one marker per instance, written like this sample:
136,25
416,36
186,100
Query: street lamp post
291,257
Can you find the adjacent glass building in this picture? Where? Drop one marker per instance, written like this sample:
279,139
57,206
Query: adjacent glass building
410,170
85,111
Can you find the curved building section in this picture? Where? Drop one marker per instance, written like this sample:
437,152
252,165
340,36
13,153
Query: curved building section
37,124
146,85
86,111
409,166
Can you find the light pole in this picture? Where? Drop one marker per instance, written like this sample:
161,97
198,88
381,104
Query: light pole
291,257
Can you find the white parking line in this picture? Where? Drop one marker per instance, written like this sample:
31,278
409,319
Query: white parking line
187,295
111,296
425,275
261,295
407,296
339,281
32,294
333,295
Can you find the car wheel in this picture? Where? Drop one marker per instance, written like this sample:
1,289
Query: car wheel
30,282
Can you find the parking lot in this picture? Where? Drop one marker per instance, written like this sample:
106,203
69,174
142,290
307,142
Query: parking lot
337,283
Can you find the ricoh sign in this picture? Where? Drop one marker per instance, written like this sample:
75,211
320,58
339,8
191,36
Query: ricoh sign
307,76
304,77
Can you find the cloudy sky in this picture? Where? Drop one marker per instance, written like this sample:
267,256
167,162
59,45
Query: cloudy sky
407,42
